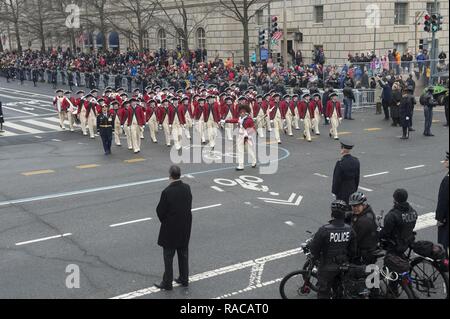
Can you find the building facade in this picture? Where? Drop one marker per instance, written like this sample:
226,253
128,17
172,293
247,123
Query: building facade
339,27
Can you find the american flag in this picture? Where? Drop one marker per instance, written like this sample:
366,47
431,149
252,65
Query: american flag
277,35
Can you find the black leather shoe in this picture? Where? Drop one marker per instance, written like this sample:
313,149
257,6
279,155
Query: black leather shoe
411,129
184,284
163,287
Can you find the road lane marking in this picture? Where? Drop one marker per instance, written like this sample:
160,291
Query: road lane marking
344,133
17,110
217,188
289,223
365,189
38,137
320,175
56,140
215,273
42,239
376,174
414,167
130,222
87,166
20,92
6,133
42,124
206,207
136,160
44,171
250,288
119,186
22,128
373,129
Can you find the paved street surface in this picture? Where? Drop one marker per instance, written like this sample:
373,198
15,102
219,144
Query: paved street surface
62,202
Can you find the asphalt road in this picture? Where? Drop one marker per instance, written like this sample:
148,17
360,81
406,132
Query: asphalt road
62,202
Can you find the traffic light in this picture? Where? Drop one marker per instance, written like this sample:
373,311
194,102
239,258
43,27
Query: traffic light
439,22
262,37
427,23
274,26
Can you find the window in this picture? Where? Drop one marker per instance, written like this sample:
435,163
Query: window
146,39
318,14
162,39
260,17
431,9
401,13
201,38
401,47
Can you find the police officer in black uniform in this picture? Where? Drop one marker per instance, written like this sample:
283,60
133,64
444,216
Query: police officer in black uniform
442,210
346,174
364,224
399,223
105,126
333,244
2,120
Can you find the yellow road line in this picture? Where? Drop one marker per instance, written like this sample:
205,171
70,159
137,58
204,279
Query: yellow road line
344,133
436,121
44,171
135,160
373,129
87,166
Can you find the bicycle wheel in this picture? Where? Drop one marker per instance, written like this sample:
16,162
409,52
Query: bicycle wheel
313,277
296,285
395,289
428,281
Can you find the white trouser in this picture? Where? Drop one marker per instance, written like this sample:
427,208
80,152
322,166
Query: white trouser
296,119
177,134
117,131
316,121
307,127
188,125
229,127
261,123
241,145
289,122
201,128
211,126
166,129
83,122
334,125
278,126
92,124
153,126
127,130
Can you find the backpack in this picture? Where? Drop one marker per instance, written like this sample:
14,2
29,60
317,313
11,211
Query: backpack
396,263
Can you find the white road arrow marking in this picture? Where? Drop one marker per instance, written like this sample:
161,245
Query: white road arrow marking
291,201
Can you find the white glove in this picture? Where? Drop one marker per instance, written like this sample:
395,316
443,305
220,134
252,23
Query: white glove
222,122
160,127
328,118
170,125
340,119
271,121
407,118
301,120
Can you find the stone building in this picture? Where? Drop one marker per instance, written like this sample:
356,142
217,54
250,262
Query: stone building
338,26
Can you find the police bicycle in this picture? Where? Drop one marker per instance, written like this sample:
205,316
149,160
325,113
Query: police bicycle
302,284
427,268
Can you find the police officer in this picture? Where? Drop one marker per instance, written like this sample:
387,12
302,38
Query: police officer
430,103
333,244
365,226
105,126
441,210
399,224
346,174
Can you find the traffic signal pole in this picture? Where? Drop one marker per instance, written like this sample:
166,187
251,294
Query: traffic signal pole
434,49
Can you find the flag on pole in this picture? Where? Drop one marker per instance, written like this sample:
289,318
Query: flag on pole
277,35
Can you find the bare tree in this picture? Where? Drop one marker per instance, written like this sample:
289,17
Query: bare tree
139,14
98,18
13,9
243,11
182,23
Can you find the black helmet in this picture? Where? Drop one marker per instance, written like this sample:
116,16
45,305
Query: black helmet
357,198
339,205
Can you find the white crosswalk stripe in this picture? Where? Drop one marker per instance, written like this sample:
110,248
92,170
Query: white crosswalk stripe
25,129
43,124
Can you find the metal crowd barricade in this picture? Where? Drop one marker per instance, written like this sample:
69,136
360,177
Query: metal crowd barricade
365,98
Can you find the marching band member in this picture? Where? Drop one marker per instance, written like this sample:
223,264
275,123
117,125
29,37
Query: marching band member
163,115
58,105
188,115
334,114
306,115
287,114
119,116
70,110
136,121
199,117
88,115
211,118
294,106
259,114
81,114
228,111
152,119
246,136
266,105
274,113
316,109
177,121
